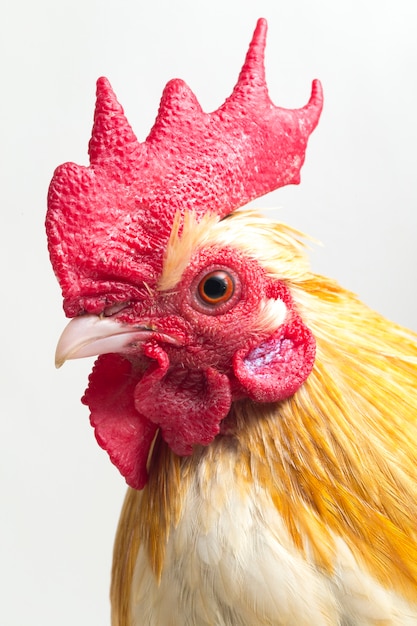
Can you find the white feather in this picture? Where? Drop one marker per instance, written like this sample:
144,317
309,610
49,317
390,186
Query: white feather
231,562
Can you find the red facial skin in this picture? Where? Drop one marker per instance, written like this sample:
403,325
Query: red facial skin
220,355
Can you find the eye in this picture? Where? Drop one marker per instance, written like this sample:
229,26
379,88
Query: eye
216,287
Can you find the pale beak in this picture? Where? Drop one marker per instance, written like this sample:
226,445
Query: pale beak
91,335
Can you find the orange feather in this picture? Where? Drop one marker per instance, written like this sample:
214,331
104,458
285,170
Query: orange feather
338,459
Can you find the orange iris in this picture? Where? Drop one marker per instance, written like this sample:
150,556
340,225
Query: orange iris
216,287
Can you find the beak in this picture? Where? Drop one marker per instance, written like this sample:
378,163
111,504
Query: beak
91,335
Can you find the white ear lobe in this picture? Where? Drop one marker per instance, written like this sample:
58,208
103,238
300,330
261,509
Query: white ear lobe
272,314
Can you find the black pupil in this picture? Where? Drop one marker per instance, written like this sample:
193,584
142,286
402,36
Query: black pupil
215,287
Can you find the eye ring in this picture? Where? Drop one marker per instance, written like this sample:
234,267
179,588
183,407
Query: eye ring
216,287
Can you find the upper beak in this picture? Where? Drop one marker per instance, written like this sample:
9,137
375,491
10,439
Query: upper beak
91,335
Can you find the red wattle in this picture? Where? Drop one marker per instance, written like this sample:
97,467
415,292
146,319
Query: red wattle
124,433
188,405
128,405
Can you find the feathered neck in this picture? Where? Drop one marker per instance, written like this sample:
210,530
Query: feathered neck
338,458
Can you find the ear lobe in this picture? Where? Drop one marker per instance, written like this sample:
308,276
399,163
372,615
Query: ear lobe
274,369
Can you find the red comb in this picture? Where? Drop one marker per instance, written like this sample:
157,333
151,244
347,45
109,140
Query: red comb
123,205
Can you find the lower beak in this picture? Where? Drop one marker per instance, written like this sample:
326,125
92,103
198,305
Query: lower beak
90,335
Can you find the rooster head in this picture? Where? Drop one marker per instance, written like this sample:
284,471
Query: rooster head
184,321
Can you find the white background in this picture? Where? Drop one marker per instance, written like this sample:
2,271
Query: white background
59,495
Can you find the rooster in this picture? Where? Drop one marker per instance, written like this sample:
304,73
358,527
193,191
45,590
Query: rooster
262,416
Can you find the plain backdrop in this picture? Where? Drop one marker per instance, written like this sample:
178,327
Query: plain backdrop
59,495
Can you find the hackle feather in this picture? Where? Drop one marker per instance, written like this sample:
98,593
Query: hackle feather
338,458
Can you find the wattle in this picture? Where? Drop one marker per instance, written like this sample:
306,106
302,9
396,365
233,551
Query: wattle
129,400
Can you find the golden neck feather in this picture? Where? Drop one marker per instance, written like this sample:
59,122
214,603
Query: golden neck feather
339,458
